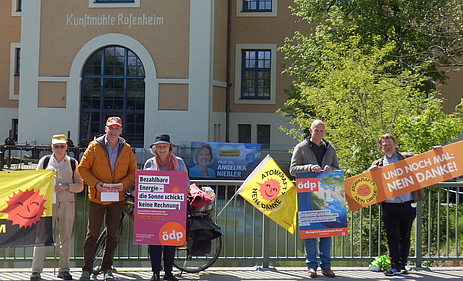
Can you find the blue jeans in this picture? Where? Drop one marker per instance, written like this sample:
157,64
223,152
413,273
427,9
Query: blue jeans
324,252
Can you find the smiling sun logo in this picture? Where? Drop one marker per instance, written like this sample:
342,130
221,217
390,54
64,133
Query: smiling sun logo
25,208
269,190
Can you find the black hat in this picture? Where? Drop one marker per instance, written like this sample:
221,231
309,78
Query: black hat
162,138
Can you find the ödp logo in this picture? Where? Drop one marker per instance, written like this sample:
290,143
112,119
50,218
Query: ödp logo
172,234
307,184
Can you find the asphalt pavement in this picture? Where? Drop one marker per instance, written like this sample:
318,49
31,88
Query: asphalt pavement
251,274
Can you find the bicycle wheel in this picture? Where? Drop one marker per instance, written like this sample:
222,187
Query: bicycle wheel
184,261
100,246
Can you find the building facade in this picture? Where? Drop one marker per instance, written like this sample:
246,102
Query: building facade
200,70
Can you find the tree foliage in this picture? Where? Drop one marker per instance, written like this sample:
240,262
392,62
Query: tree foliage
429,126
424,31
368,69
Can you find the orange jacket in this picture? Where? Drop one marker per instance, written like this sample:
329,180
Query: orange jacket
95,167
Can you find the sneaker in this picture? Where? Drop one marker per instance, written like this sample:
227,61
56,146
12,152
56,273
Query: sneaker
392,271
35,276
403,270
85,276
65,275
108,275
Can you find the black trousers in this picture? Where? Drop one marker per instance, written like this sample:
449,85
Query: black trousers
155,252
398,219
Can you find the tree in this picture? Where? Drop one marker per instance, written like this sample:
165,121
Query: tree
424,31
429,126
369,68
358,99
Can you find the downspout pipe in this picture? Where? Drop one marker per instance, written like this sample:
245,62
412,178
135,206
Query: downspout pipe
228,73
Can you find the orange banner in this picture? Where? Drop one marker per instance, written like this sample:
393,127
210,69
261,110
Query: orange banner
407,175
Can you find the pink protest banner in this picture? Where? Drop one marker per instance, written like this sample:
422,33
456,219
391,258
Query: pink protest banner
407,175
160,207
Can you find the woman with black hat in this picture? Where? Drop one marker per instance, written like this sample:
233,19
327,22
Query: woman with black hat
163,160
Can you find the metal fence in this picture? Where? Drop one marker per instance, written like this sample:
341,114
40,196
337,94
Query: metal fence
250,238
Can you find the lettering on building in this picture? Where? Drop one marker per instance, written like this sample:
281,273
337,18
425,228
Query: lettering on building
108,19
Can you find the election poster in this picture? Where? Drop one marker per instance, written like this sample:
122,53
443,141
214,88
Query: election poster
26,208
413,173
223,160
322,205
160,207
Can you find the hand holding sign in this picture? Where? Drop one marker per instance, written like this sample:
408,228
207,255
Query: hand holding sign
419,171
111,192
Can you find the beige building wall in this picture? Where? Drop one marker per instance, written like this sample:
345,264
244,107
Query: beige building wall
65,29
166,42
451,92
190,50
173,40
263,30
10,36
10,42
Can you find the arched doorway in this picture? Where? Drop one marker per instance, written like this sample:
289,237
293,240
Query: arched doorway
113,84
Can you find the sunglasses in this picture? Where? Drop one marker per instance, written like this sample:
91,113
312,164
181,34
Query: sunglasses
62,146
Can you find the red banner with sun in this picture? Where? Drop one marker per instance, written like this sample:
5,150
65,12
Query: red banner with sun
270,191
26,208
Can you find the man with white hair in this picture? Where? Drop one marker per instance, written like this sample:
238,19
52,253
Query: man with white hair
68,182
315,154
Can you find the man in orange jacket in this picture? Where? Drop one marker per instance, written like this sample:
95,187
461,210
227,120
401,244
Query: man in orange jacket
108,168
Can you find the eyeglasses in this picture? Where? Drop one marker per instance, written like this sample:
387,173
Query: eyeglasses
62,146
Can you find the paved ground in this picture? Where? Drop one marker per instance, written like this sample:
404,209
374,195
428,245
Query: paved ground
251,274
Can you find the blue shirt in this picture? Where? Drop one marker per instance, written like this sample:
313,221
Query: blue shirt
112,153
401,198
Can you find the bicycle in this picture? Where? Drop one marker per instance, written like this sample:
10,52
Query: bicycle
193,258
185,260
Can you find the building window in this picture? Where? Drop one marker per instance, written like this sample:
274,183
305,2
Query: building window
16,8
113,4
256,74
263,136
113,84
114,1
244,133
256,8
19,5
17,60
257,5
14,127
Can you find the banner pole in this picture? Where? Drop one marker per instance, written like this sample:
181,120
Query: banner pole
216,217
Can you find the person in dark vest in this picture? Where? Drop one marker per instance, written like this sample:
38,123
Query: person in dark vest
398,212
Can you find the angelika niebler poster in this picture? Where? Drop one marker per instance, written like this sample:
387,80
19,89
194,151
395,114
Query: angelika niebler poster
220,160
160,207
322,204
